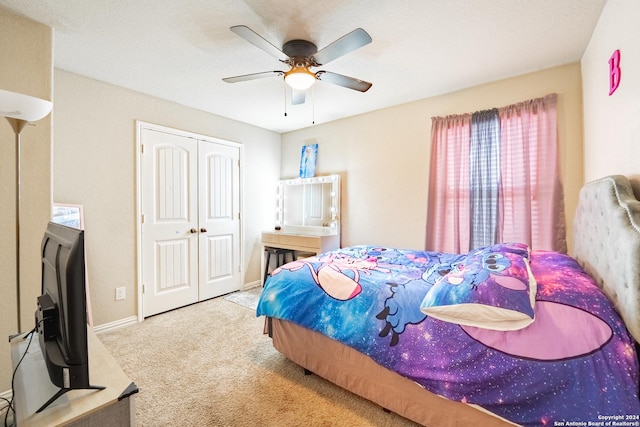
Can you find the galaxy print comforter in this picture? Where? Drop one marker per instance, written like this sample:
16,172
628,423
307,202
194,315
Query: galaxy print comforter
575,362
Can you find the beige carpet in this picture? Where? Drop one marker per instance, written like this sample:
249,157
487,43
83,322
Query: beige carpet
209,364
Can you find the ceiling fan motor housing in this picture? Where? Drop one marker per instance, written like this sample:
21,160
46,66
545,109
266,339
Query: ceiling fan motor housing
297,48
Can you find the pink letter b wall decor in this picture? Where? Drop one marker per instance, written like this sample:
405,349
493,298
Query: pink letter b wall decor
614,71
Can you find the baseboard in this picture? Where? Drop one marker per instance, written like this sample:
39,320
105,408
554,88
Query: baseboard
3,406
7,395
127,321
251,285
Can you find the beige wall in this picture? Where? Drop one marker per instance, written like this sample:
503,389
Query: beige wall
94,164
612,123
27,67
383,156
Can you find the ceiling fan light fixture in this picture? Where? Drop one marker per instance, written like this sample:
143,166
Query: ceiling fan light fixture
300,78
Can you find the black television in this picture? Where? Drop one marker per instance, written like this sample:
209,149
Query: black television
61,317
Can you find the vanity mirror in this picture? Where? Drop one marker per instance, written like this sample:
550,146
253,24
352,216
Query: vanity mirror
309,205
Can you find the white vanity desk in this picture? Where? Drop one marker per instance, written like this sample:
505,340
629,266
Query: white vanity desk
300,242
308,215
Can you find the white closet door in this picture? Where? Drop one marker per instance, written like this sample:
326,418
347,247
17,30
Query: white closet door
219,212
169,237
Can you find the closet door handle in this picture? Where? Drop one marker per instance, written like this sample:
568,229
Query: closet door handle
203,230
193,230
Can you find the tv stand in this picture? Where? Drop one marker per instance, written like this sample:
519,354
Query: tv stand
63,391
111,403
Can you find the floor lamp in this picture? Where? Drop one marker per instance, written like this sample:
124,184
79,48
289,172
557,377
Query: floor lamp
20,109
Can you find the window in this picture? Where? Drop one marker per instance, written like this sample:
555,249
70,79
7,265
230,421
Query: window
494,177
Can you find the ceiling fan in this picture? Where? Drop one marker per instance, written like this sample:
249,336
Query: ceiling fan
301,55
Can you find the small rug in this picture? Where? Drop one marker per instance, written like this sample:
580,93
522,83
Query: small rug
248,298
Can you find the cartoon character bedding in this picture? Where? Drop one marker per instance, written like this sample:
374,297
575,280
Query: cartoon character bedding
525,334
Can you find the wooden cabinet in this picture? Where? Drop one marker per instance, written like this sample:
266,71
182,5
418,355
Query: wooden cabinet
109,407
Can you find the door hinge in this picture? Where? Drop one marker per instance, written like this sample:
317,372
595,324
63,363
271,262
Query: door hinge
142,219
142,148
143,288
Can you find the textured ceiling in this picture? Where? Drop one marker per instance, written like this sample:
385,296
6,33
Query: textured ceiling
180,50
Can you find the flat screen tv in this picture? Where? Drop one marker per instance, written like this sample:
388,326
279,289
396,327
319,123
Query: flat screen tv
61,317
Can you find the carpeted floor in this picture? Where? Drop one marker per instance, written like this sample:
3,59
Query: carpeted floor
209,364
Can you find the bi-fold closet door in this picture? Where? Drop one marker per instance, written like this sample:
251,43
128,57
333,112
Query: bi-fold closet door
190,225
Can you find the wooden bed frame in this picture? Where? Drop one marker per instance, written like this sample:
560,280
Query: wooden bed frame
607,245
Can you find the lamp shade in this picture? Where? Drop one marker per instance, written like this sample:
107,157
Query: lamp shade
23,107
300,78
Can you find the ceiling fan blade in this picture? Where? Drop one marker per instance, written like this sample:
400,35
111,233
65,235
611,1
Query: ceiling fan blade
347,43
257,40
253,76
297,97
345,81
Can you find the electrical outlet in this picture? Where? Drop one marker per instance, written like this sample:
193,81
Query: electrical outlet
121,293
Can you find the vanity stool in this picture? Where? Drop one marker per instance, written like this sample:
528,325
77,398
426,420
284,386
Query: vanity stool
281,255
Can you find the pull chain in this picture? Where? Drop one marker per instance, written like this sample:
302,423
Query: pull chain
285,96
313,105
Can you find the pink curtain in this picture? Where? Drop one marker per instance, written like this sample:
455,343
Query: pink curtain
532,199
448,220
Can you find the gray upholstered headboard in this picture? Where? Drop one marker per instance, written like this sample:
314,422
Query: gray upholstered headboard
606,239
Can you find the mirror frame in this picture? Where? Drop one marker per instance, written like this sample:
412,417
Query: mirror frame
332,227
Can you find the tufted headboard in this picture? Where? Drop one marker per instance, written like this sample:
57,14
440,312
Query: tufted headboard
606,236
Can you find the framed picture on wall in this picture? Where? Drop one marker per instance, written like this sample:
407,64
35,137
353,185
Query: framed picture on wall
69,215
308,160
